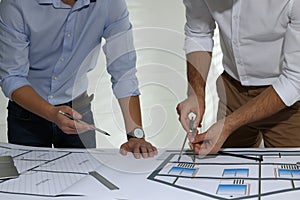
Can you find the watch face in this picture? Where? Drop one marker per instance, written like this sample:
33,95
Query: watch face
139,133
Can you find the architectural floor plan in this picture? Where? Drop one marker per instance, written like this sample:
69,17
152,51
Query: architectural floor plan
46,172
257,174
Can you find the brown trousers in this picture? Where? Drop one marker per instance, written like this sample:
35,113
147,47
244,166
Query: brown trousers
279,130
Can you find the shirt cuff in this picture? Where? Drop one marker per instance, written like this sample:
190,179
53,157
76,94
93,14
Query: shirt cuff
10,84
126,88
286,90
193,44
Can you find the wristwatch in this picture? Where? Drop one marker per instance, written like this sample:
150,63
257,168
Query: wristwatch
136,133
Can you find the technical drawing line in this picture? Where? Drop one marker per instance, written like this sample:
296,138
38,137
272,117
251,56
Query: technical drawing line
224,178
157,176
160,167
214,196
60,172
174,182
239,156
29,155
49,161
293,184
189,189
259,178
43,195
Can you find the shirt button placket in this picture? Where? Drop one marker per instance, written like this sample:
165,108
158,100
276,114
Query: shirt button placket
235,33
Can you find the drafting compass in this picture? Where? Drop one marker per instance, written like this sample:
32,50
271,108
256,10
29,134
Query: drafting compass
193,132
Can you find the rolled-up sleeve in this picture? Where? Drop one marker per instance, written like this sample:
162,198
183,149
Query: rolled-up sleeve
199,27
14,64
120,52
288,84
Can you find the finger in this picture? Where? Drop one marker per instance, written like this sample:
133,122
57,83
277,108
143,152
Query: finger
150,153
68,127
191,137
200,149
123,152
144,151
184,120
198,120
191,146
150,150
154,150
199,138
204,149
69,131
70,111
136,152
123,149
197,148
183,117
75,114
82,127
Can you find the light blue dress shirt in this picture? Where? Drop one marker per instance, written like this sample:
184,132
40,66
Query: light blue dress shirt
260,40
47,44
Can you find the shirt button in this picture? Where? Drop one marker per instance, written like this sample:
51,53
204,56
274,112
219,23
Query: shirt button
55,77
68,35
235,17
62,59
51,97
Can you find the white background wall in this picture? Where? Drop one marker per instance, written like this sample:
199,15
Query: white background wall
158,30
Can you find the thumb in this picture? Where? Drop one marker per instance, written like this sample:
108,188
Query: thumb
124,149
76,115
72,112
198,120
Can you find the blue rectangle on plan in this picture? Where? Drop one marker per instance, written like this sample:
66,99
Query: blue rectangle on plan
242,172
232,189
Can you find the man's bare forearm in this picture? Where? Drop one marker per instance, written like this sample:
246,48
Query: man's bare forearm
32,101
131,111
262,106
198,64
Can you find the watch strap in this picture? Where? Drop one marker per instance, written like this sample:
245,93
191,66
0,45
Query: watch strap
129,136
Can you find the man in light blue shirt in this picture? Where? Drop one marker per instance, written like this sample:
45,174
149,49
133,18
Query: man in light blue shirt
43,70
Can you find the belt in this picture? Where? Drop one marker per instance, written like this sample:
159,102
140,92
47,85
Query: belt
81,100
238,83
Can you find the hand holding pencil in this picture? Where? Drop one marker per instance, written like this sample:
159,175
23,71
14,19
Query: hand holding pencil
212,139
90,126
70,121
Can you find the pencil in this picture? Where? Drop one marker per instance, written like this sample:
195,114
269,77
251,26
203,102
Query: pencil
78,120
